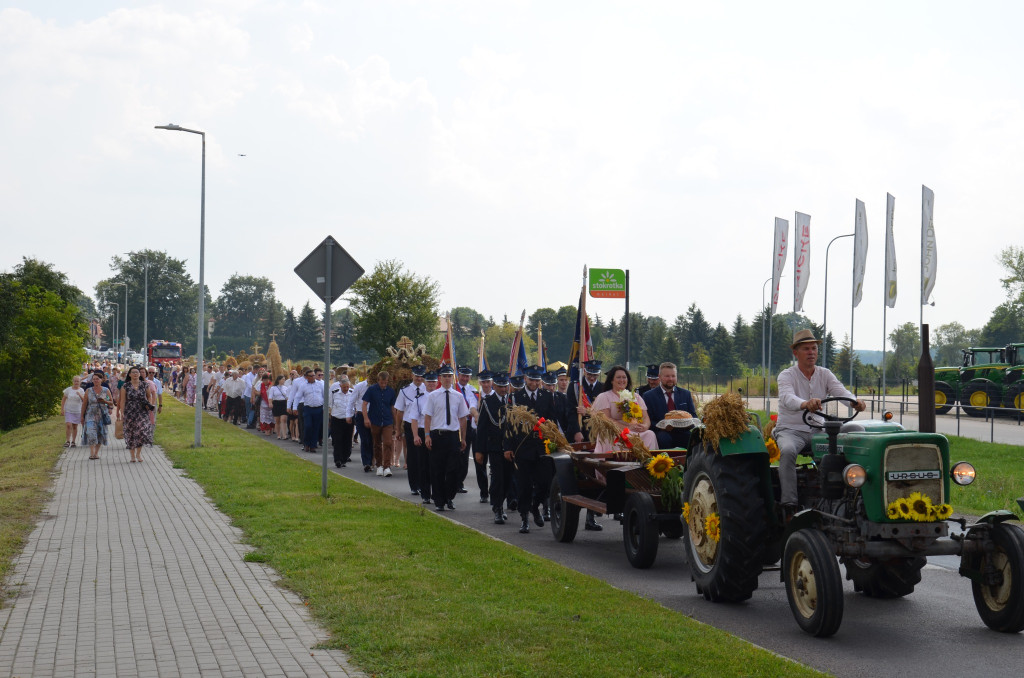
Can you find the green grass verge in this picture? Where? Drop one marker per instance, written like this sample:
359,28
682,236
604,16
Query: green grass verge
408,593
1000,476
27,458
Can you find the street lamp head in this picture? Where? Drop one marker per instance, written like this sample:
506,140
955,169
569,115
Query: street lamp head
170,126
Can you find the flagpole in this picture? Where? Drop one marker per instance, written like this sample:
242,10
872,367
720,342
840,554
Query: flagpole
583,346
540,346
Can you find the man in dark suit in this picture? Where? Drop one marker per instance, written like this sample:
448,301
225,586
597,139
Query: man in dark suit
591,388
652,380
527,450
489,440
665,397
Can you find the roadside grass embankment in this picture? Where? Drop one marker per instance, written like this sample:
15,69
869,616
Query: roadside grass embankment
408,593
1000,480
27,457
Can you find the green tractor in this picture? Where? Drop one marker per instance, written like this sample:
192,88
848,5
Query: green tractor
1013,382
876,499
976,383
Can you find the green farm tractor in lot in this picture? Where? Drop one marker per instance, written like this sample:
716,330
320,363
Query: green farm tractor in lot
876,501
989,377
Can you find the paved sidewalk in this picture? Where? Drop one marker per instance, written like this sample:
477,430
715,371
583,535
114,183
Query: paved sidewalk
133,572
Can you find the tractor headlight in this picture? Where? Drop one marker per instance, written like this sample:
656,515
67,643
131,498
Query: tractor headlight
854,475
962,473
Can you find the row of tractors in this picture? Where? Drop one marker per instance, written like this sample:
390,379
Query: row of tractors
988,377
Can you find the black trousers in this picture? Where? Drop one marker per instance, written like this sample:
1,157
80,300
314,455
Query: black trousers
445,465
481,473
466,455
341,437
415,456
235,409
530,476
502,476
206,393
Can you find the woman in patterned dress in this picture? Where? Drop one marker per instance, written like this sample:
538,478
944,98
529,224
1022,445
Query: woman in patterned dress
136,401
190,387
95,405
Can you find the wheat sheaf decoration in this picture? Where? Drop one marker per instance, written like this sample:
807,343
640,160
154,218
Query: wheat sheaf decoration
725,417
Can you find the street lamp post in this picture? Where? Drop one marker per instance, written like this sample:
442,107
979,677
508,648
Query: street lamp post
202,286
824,316
117,321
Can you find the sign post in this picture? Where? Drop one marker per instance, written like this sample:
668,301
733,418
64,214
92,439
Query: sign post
612,283
328,270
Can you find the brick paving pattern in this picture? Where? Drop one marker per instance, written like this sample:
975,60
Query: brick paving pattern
133,572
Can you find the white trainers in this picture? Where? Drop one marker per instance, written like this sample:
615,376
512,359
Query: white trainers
387,473
380,470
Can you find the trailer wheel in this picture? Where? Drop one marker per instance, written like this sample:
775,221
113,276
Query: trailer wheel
640,530
813,585
724,569
944,397
1001,603
565,518
884,579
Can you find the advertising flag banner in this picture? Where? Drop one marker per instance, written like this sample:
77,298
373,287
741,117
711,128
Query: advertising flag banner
779,257
801,258
890,252
607,283
860,250
928,255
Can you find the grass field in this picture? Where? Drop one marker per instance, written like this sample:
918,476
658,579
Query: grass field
27,456
408,593
1000,476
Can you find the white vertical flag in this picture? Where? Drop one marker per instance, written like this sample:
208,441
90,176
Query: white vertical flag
890,252
860,250
928,255
779,257
801,259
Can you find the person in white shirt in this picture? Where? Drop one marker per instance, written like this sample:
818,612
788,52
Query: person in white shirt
444,418
279,405
234,387
311,393
486,378
802,387
207,378
408,407
249,378
342,410
293,406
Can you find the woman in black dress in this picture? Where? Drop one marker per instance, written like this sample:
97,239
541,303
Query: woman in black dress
136,402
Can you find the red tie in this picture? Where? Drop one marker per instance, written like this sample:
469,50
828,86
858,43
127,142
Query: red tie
669,403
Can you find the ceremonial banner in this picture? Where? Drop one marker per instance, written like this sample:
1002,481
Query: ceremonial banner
576,355
448,352
517,360
542,349
801,258
481,357
779,257
860,250
890,252
928,254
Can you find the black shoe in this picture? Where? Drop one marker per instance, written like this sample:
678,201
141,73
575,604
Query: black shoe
426,500
415,493
538,518
592,525
513,505
439,508
462,490
525,527
451,505
484,500
498,518
342,465
504,516
547,514
337,466
366,469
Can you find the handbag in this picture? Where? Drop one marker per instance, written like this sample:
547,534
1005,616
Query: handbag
119,429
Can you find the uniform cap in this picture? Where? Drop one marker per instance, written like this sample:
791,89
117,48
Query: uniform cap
653,371
592,367
486,375
446,369
500,378
430,376
465,369
419,371
548,378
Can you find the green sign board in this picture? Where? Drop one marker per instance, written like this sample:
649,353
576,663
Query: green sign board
607,283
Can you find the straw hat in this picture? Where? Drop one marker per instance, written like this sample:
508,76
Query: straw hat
802,337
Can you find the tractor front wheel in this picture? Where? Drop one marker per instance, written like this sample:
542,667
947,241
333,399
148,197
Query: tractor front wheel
944,397
813,584
884,578
726,523
999,597
640,530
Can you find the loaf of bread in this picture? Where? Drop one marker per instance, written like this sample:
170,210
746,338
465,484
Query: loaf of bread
678,414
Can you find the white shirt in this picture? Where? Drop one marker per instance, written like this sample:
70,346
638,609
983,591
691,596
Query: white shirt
360,390
234,387
74,399
795,388
471,400
207,378
410,402
278,393
343,404
435,409
247,379
311,395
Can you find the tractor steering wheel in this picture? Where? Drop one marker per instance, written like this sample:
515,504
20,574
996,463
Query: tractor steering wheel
829,417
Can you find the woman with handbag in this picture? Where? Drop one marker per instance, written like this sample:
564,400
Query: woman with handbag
137,399
96,414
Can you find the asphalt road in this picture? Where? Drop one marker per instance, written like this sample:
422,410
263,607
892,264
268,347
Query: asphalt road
934,632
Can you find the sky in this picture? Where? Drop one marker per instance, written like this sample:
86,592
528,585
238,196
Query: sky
500,147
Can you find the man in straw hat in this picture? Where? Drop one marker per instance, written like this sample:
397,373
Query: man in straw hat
802,387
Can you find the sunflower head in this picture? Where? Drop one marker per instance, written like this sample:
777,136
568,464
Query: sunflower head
903,506
774,453
943,511
686,512
660,465
713,527
893,512
920,506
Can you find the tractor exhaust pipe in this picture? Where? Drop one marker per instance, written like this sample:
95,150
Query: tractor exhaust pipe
925,386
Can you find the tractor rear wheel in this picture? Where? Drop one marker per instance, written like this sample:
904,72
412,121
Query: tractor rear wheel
978,398
1015,397
640,530
723,493
565,518
813,585
945,396
1001,604
884,578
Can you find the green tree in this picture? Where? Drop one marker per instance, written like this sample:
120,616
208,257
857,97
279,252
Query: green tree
1012,260
698,329
344,347
723,355
290,328
309,338
699,359
841,366
243,305
949,340
559,329
498,345
41,339
467,327
906,352
391,302
743,343
1007,322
